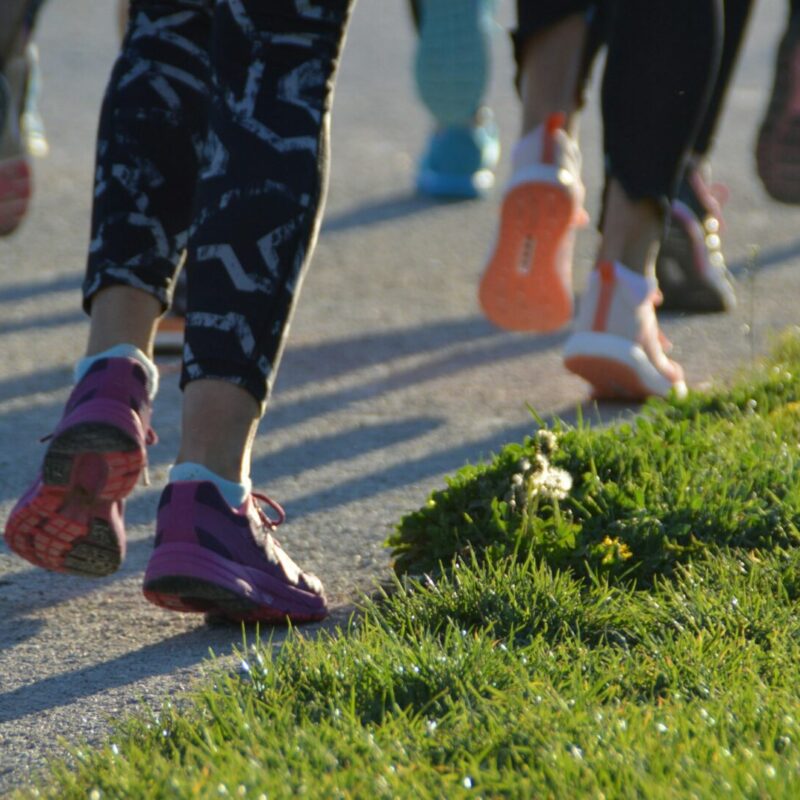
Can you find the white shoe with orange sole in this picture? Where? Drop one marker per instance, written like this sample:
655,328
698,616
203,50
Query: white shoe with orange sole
527,285
617,345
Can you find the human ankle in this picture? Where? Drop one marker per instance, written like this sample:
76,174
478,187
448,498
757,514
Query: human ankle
123,315
557,50
631,232
235,492
121,351
219,426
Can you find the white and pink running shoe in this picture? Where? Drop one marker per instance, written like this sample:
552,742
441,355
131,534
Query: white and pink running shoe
617,345
527,285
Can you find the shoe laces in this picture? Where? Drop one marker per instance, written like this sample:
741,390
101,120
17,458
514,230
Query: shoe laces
712,196
268,522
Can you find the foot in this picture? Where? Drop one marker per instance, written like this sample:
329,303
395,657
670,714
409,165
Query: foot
71,518
460,159
527,285
691,269
778,145
210,557
453,56
617,345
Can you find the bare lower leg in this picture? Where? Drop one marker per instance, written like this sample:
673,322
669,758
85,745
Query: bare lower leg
219,426
549,73
123,315
123,11
631,231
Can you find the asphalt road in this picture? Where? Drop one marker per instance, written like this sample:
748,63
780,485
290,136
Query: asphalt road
391,380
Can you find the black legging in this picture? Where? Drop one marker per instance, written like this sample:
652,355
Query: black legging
663,56
213,139
736,16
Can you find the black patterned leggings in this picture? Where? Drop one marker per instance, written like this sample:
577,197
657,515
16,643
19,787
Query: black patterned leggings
213,140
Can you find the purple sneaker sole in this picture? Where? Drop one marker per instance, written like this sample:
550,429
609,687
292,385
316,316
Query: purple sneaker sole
188,578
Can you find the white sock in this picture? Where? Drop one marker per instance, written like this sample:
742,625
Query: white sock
640,287
122,351
234,493
528,149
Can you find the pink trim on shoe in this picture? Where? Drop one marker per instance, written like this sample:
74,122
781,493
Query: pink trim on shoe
16,188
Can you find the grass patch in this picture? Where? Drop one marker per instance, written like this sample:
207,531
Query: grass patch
633,634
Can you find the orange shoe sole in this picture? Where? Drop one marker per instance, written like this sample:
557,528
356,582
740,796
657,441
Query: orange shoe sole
522,289
609,379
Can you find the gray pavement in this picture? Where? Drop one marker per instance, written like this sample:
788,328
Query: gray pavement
391,380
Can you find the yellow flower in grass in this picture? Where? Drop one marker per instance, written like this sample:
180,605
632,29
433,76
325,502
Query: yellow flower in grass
614,550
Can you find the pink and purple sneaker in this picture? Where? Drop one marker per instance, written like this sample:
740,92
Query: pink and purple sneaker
212,558
71,519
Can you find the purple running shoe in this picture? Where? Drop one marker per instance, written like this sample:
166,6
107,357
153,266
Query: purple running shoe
210,557
778,146
71,519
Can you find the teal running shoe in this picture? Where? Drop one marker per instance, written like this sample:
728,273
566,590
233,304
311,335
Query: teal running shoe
453,57
460,160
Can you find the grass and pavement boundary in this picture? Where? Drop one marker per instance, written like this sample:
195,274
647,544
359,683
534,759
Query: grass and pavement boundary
596,612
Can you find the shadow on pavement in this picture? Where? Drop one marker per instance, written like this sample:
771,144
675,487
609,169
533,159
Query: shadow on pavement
26,291
311,363
389,208
162,658
52,379
180,651
408,472
41,322
343,445
768,258
505,348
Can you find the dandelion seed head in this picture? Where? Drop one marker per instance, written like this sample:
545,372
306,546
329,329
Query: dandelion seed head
547,440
